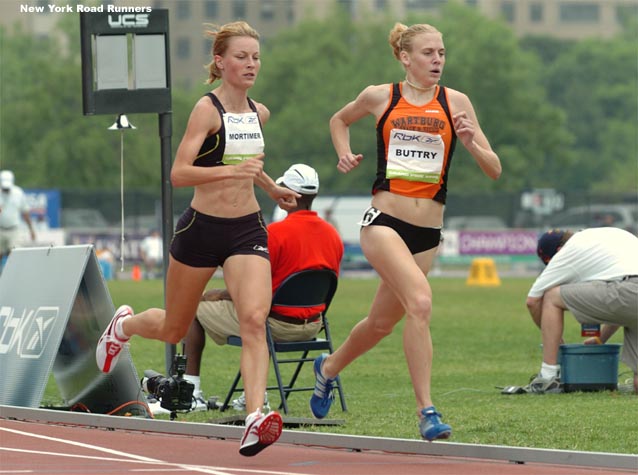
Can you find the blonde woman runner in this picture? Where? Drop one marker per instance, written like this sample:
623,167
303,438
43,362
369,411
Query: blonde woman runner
418,124
221,157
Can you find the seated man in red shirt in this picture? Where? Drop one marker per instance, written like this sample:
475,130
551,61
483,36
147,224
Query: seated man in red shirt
302,240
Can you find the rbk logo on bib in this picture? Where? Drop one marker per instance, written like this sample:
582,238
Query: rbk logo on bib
415,156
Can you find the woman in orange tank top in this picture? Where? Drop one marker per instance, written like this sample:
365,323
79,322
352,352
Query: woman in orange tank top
418,125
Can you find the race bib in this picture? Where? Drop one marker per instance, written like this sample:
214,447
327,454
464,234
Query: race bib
244,139
369,216
415,156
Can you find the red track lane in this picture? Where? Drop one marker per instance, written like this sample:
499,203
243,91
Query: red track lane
51,449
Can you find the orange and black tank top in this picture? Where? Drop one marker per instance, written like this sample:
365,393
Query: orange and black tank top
211,153
415,145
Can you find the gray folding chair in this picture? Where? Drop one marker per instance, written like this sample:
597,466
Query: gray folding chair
306,288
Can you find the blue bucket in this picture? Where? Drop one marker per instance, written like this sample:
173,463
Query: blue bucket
589,367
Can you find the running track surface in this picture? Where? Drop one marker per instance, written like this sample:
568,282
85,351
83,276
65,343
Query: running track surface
52,449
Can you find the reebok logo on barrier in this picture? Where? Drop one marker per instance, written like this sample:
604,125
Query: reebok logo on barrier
28,333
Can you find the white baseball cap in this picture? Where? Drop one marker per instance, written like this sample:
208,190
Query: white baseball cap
300,178
6,179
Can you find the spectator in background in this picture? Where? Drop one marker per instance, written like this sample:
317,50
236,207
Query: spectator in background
606,219
593,274
329,214
40,222
301,241
13,207
151,252
106,259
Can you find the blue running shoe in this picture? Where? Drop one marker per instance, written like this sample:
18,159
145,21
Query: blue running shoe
431,426
322,397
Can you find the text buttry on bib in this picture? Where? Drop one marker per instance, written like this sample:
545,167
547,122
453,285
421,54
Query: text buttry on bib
415,156
244,139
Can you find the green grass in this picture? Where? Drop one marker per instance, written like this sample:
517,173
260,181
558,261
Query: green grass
483,338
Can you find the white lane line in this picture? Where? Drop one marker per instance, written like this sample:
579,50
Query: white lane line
87,457
132,458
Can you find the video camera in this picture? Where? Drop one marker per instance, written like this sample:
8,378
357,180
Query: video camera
174,393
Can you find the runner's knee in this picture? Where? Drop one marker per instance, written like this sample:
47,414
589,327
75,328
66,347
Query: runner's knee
420,308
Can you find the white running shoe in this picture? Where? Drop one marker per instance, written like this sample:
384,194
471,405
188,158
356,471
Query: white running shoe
540,385
156,408
199,403
109,345
261,431
239,404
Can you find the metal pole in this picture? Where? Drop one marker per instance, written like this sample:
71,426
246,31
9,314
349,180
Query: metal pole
165,132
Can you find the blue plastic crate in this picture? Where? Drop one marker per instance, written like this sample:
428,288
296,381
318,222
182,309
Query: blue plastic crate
589,367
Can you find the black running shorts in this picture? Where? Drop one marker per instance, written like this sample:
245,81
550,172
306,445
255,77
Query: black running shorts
417,238
207,241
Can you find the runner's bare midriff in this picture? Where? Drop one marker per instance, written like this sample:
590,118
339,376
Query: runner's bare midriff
423,212
226,198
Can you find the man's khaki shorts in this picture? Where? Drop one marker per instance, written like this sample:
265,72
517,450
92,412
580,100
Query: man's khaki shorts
614,303
8,240
219,320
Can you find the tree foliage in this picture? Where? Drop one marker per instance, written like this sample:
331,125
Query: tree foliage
307,73
559,114
595,83
504,84
311,71
46,139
